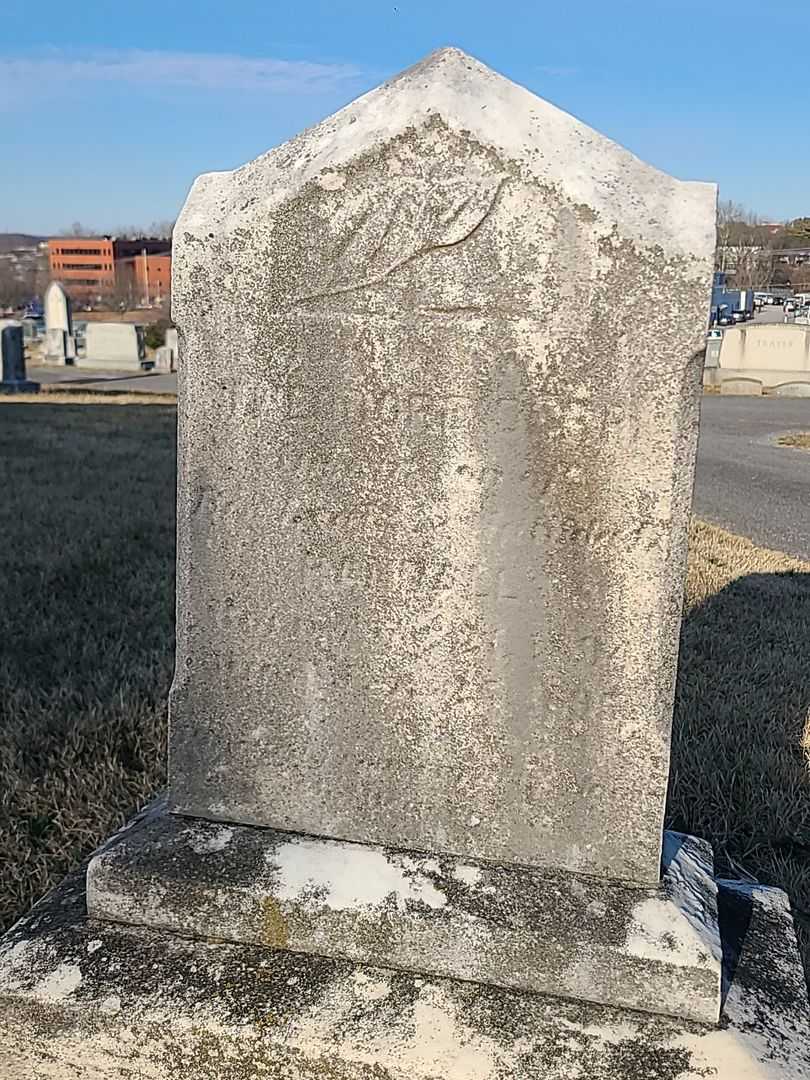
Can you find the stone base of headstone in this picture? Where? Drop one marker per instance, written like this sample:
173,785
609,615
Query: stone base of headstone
545,932
741,386
164,359
85,998
114,363
768,379
792,389
60,348
19,386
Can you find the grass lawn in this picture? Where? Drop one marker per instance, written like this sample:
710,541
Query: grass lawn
86,626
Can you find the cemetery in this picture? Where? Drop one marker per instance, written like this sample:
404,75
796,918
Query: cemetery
451,783
104,346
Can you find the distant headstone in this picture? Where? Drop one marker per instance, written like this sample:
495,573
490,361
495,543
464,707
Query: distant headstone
113,346
30,329
772,353
12,355
172,343
713,347
164,359
60,346
55,347
57,308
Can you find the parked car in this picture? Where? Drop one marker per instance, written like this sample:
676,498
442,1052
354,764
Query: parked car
740,316
715,332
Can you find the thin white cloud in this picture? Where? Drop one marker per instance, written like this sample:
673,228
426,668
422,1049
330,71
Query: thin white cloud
45,73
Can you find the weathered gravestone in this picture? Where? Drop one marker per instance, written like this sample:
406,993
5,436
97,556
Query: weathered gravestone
164,359
771,354
114,347
172,342
60,346
12,360
434,483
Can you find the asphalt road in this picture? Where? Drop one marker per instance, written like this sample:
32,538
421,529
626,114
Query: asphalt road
147,382
746,483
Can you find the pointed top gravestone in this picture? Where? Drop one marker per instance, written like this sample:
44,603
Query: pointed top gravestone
57,308
436,456
60,345
433,486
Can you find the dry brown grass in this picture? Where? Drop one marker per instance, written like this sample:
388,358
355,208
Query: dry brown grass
51,395
739,772
86,623
799,440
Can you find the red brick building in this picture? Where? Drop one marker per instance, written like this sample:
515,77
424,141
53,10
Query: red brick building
148,277
102,268
84,265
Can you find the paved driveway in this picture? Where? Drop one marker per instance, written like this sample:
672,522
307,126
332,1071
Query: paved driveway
744,482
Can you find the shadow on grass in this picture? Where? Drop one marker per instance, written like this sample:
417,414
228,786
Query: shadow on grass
739,772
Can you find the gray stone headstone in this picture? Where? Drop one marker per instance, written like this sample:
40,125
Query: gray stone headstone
435,479
771,353
713,347
55,347
12,360
172,343
164,360
433,493
113,346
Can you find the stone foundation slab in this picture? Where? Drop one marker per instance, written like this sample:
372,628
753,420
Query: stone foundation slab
86,1000
585,938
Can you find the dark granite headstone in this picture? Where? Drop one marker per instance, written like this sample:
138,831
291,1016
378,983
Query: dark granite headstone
13,360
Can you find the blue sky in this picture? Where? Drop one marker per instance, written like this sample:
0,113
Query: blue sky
109,110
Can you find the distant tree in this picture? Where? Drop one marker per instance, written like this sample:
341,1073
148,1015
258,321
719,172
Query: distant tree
10,287
162,230
19,285
745,248
798,231
77,229
780,276
159,230
155,333
800,276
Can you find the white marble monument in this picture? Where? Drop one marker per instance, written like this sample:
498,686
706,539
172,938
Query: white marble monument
60,345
